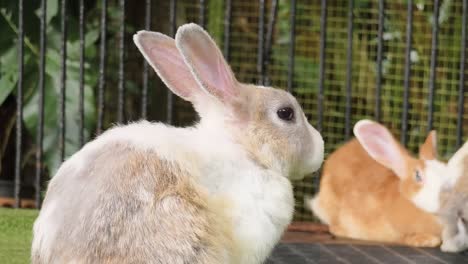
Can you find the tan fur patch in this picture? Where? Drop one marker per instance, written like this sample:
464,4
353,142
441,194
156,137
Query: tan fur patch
262,132
136,207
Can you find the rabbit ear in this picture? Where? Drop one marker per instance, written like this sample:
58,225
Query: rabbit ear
206,61
162,54
381,146
428,150
460,156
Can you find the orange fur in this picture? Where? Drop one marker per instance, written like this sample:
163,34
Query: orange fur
362,199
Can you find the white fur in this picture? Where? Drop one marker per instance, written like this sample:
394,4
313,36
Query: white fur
459,242
263,201
45,230
317,154
428,197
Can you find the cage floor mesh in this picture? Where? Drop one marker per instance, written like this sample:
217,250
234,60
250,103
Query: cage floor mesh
292,253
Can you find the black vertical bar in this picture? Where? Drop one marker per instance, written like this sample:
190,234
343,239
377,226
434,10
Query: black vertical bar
269,38
102,67
144,91
406,84
19,105
323,43
321,81
461,83
261,42
292,45
291,55
227,28
82,61
121,101
378,90
202,13
63,79
170,99
349,63
172,17
432,73
40,127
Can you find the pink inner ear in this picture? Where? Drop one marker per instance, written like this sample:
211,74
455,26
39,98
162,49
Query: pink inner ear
225,79
207,62
174,71
380,145
212,70
166,59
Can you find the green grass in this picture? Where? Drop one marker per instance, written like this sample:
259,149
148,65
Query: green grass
16,234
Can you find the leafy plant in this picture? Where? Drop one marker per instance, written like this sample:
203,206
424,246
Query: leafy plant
9,74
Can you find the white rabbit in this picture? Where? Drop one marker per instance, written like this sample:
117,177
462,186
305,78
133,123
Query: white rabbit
454,211
218,192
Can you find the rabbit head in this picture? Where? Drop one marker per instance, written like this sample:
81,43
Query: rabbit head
268,123
420,181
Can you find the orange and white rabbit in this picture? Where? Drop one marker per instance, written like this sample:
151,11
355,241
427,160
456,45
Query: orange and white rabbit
372,189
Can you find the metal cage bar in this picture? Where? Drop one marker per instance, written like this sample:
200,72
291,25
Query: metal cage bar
227,28
19,105
82,61
292,45
145,84
261,43
432,72
321,81
269,39
172,32
63,80
121,91
102,67
202,13
461,83
378,86
322,48
406,82
349,72
40,127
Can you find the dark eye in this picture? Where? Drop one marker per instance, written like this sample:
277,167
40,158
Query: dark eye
417,176
286,113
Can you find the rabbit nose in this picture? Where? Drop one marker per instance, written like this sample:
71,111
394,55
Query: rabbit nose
318,148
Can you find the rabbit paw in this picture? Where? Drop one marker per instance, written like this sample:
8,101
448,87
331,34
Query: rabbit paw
422,240
451,245
456,243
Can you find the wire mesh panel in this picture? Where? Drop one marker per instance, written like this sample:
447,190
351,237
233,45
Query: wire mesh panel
400,62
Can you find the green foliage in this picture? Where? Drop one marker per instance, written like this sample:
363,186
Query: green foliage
9,75
243,59
216,20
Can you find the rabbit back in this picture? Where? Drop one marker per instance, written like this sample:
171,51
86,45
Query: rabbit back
360,198
130,206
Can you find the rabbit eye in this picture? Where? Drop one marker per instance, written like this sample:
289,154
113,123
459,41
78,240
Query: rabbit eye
286,113
417,176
